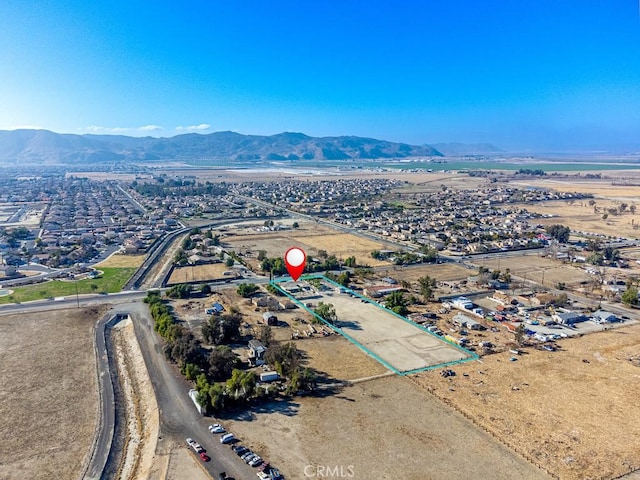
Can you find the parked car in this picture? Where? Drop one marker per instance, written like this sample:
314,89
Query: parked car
227,438
204,457
249,458
239,449
246,455
255,461
216,428
263,476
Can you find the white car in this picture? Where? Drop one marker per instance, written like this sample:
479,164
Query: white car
190,442
263,476
227,438
216,428
255,461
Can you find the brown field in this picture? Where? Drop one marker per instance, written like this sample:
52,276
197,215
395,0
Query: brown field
580,217
599,188
534,267
122,261
344,245
441,272
199,273
48,393
571,411
321,354
310,238
384,428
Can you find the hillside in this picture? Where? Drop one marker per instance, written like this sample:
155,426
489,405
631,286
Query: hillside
45,147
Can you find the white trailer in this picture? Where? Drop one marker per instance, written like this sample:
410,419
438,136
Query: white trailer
193,394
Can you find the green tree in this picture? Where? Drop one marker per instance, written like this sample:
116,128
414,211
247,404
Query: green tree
630,296
350,262
295,225
326,311
265,335
242,384
245,290
221,362
427,286
395,301
343,279
222,329
229,262
205,289
559,232
182,290
285,358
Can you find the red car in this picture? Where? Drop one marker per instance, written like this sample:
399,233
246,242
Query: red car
204,457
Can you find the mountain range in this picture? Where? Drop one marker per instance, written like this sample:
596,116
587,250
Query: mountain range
46,147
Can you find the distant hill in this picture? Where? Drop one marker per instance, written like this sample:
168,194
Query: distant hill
45,147
457,149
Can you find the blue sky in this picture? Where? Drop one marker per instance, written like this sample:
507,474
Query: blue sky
526,75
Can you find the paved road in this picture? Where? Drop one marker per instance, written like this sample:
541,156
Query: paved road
179,418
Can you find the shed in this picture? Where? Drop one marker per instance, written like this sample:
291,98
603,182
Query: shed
270,318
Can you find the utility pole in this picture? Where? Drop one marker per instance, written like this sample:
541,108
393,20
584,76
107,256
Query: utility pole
77,297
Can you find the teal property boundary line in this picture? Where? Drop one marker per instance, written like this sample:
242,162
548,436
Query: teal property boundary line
471,355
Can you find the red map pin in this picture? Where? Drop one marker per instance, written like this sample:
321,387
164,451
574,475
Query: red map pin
295,259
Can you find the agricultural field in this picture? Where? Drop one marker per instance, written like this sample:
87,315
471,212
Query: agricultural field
48,392
570,411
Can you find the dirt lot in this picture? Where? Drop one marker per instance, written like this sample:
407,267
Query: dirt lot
571,411
48,396
388,426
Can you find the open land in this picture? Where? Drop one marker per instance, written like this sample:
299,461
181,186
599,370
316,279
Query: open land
48,393
199,273
388,426
310,237
580,216
122,261
570,411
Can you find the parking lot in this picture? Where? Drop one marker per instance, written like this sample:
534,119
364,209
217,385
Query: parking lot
397,343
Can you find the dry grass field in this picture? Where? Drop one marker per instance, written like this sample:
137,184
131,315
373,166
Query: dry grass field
48,396
122,261
572,411
321,354
441,272
199,273
580,217
533,267
386,428
311,238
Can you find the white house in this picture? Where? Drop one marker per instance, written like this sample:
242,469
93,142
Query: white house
602,316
